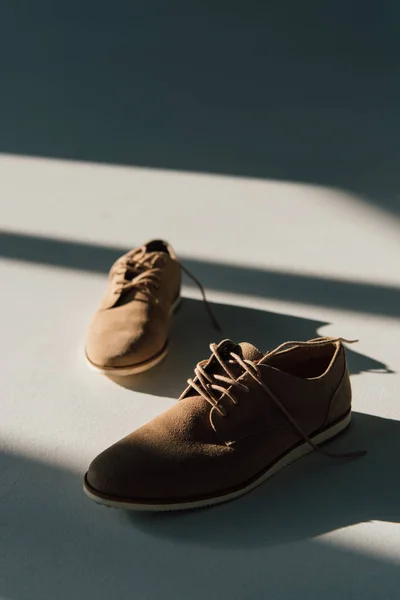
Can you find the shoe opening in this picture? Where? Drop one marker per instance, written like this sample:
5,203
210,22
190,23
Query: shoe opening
157,246
306,362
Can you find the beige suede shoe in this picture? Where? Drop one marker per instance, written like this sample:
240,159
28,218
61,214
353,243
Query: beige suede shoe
129,332
243,417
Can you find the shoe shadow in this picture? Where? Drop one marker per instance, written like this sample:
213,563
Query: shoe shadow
57,544
192,333
314,496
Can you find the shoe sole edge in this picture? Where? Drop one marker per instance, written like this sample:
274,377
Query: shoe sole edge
286,460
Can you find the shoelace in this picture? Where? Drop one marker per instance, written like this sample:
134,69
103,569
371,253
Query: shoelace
146,278
205,386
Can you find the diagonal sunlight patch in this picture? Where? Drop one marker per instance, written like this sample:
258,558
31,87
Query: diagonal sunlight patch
360,296
375,539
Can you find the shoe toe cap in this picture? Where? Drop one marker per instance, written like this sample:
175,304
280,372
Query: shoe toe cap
174,458
120,346
126,472
108,476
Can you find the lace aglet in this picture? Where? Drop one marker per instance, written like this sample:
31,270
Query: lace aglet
344,341
359,453
350,455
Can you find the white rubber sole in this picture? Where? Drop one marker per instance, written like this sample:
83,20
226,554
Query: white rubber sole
138,368
295,454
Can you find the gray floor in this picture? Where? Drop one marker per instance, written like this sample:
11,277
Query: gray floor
317,529
295,111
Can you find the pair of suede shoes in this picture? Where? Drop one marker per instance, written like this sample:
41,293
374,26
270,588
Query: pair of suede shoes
243,416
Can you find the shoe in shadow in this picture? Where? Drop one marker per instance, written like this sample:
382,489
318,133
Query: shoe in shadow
192,333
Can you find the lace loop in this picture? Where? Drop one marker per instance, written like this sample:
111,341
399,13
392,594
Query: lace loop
142,276
145,277
204,384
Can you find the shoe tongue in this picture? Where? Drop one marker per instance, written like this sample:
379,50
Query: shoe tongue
155,259
250,352
151,259
244,350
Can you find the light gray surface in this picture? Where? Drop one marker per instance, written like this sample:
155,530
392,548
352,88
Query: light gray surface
316,530
291,92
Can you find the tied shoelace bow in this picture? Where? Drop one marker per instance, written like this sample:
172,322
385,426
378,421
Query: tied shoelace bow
139,274
205,385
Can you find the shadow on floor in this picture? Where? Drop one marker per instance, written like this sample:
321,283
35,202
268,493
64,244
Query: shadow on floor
323,291
55,543
265,92
192,333
308,499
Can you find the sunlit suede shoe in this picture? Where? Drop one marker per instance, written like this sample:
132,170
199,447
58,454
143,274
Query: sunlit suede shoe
243,417
129,332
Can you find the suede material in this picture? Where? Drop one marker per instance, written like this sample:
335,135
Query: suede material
193,452
244,349
130,328
164,457
256,410
341,399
